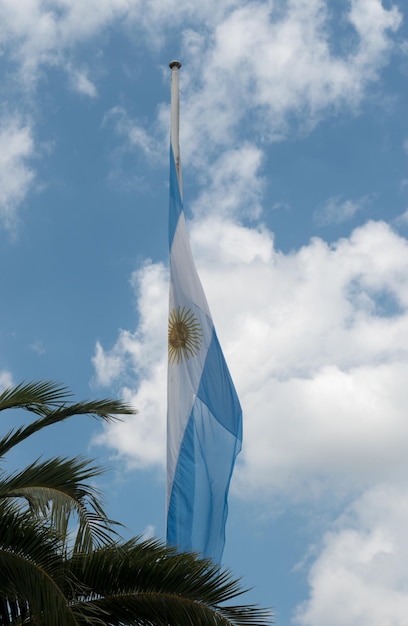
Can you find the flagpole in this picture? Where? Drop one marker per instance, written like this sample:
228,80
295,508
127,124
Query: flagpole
175,115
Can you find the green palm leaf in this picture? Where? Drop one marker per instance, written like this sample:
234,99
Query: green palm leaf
143,582
59,489
49,400
33,571
34,395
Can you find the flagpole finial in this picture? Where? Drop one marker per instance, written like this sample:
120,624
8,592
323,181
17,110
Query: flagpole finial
174,64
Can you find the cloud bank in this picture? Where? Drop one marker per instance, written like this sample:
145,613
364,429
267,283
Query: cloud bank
316,340
359,575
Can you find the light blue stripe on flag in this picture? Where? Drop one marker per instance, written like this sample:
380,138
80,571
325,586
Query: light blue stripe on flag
204,422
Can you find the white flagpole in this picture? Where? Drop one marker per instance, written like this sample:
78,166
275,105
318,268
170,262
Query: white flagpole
175,114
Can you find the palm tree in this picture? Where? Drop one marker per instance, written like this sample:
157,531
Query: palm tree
40,504
50,576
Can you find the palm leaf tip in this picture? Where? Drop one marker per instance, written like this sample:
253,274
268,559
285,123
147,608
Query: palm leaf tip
107,409
34,395
45,397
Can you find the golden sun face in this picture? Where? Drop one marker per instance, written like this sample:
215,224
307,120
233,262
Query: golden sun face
185,334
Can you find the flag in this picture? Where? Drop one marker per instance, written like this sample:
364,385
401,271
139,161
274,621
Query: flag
204,421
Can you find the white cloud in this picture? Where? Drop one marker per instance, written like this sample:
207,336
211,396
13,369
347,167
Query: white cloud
232,184
81,83
38,347
336,210
139,355
149,532
16,175
6,380
402,219
107,366
136,136
317,343
276,63
140,439
38,33
359,575
270,62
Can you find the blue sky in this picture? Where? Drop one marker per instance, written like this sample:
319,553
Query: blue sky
294,143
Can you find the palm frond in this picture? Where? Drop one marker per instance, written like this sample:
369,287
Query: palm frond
32,571
34,395
58,490
49,400
162,609
143,582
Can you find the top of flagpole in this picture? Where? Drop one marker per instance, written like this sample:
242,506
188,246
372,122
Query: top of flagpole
175,114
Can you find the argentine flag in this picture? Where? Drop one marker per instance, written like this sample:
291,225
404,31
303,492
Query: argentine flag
204,421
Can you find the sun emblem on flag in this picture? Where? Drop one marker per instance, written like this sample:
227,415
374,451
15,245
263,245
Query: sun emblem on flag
185,334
